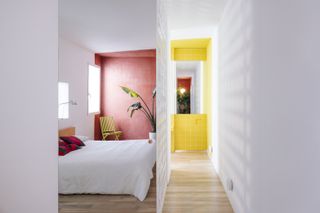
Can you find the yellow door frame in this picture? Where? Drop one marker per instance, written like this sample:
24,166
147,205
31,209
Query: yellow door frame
198,50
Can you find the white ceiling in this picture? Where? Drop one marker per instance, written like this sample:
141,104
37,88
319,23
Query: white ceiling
187,65
109,25
185,14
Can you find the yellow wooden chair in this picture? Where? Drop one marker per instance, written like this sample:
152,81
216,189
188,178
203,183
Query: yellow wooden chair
108,128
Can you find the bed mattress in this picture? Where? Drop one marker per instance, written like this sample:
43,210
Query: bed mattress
113,167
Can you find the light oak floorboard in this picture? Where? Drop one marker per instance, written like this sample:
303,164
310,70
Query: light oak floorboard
194,186
109,203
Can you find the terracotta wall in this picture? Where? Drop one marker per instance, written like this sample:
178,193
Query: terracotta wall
136,71
98,60
185,83
97,131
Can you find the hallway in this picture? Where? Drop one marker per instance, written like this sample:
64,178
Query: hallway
194,186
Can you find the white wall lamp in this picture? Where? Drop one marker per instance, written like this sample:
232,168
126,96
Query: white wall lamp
69,102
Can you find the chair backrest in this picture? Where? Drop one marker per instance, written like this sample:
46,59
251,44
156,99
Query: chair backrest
107,124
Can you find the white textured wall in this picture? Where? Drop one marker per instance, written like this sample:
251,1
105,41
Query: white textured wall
269,126
162,108
28,109
73,69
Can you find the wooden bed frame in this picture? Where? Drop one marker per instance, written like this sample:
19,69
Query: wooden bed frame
67,131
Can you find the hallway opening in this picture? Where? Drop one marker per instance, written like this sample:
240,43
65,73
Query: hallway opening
194,185
191,96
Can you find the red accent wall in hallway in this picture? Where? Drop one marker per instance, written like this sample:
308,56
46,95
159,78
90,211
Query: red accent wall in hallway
185,83
138,73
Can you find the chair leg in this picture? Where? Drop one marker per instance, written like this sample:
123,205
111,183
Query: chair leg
104,137
117,136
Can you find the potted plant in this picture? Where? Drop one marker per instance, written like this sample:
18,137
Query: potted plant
183,101
143,107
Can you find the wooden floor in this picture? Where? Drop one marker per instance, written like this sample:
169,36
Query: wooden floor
194,186
108,203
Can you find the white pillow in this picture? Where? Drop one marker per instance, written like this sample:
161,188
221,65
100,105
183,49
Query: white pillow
82,138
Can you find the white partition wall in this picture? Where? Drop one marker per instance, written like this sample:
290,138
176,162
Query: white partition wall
29,106
269,115
162,101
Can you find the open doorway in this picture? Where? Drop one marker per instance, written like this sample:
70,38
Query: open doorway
184,95
107,75
190,119
189,124
191,129
188,87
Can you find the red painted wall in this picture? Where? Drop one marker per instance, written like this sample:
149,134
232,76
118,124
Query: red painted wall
138,73
97,131
98,59
185,83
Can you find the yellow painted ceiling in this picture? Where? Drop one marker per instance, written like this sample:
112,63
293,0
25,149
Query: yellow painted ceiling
190,49
190,43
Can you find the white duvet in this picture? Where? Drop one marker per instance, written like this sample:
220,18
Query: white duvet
114,167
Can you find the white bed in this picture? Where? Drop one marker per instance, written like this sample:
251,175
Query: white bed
111,167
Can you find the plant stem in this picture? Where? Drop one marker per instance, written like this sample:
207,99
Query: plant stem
151,119
154,127
146,113
152,105
146,106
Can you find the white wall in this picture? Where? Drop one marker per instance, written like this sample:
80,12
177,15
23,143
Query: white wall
28,110
269,105
73,69
162,104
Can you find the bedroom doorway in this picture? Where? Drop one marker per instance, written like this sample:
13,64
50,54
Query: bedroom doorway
103,71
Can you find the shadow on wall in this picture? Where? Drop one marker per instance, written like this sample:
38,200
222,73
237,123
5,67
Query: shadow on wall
235,67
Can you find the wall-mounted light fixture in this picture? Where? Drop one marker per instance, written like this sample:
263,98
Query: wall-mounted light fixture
182,90
69,102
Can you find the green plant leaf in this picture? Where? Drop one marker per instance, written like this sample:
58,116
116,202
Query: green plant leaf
136,105
133,107
131,92
154,92
143,107
132,111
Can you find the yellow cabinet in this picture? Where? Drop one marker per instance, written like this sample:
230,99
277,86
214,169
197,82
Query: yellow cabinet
189,132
